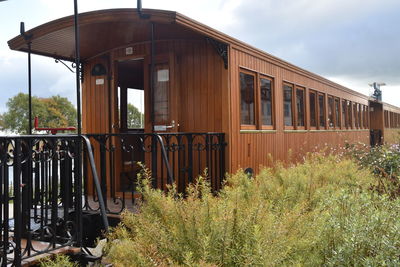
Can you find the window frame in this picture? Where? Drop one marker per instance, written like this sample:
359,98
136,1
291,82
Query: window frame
296,112
349,110
248,126
344,118
258,118
331,125
288,127
312,91
321,127
261,125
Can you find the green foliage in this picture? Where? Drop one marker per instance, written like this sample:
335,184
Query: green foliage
384,162
317,213
55,111
58,261
135,118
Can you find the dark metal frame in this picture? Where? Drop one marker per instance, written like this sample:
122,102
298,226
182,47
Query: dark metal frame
40,182
221,49
43,182
173,158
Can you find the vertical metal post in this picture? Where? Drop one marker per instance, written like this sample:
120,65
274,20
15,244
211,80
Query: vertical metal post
78,71
30,88
17,203
78,207
152,76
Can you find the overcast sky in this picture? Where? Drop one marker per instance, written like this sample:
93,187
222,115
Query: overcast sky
352,42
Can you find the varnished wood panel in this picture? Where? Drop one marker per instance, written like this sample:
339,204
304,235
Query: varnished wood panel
251,148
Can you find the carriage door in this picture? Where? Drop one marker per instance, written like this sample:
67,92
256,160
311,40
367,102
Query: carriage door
132,115
164,110
165,122
376,116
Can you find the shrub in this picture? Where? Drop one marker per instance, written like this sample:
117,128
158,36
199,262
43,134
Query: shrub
310,214
58,260
384,162
360,230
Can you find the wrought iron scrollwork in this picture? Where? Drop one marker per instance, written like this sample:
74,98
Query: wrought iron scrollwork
221,49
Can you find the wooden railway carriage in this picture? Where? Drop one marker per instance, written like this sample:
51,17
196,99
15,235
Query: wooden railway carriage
195,79
208,101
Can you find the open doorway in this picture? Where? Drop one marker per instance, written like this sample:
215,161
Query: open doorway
131,95
131,114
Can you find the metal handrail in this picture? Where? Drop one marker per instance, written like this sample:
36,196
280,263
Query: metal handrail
96,182
165,158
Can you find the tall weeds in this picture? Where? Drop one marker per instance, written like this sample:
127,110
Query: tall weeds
316,213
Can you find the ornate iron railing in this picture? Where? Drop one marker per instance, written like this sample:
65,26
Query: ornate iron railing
40,196
171,157
48,191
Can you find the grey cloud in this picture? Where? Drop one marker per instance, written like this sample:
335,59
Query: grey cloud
359,39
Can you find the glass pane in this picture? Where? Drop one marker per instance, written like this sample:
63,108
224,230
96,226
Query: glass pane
161,94
313,110
330,112
266,101
287,105
135,108
300,107
344,117
321,103
247,99
355,116
349,115
337,112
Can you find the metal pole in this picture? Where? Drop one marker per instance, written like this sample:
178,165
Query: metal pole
79,152
78,71
152,77
30,88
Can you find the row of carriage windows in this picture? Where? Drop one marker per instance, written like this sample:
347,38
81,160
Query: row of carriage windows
257,101
392,119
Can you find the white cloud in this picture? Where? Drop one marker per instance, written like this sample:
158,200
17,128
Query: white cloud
355,42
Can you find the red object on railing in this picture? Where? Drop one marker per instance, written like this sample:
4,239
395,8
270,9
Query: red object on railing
51,130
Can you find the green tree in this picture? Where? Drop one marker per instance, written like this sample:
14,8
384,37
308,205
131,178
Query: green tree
135,117
55,111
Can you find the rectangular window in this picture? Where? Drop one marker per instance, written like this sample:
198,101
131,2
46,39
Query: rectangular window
300,106
331,121
266,101
349,115
313,109
355,115
247,106
344,114
367,116
161,94
287,104
359,115
321,110
337,112
362,116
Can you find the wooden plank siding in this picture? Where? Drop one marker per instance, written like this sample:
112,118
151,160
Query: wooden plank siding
391,123
198,82
250,148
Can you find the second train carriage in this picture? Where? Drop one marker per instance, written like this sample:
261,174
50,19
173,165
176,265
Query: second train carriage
195,81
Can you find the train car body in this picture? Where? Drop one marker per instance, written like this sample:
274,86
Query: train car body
194,79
